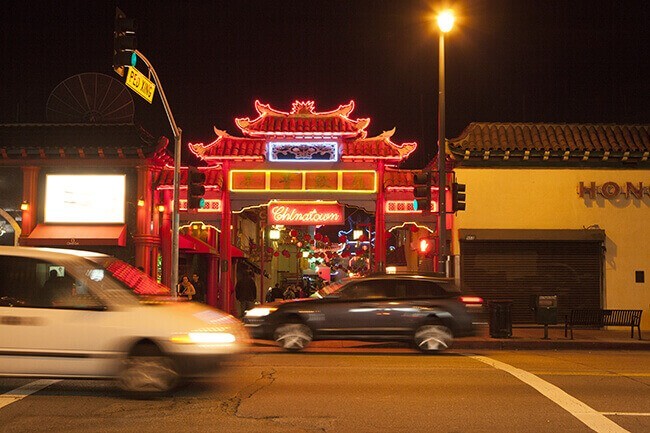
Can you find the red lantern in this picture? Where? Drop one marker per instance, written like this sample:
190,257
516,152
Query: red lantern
299,244
343,239
276,254
286,253
326,239
389,234
293,233
318,236
415,228
269,250
307,237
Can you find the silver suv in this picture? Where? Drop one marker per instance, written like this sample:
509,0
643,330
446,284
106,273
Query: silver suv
428,311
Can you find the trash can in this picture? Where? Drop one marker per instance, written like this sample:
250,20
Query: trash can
500,318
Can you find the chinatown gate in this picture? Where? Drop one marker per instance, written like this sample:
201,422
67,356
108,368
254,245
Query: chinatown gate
299,173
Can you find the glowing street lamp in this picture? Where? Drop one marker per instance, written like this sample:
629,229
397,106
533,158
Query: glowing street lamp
445,23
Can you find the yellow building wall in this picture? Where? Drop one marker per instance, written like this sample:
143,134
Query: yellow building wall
548,199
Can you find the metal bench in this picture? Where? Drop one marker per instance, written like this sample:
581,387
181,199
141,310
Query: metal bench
597,318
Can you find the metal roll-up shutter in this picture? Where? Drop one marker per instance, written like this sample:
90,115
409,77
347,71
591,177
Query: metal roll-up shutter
519,270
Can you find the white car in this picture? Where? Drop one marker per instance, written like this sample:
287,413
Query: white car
77,314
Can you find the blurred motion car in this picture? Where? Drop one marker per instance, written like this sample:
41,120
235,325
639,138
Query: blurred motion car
77,314
428,311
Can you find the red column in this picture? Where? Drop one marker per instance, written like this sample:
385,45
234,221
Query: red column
211,282
225,283
143,238
380,222
166,239
30,196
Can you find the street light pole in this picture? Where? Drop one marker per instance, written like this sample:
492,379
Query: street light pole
442,169
445,23
177,171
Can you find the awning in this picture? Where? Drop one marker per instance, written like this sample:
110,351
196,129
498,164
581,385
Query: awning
190,244
74,235
236,252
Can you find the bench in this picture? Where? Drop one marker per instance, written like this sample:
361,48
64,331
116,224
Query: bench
597,318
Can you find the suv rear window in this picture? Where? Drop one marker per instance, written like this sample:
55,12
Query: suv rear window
416,289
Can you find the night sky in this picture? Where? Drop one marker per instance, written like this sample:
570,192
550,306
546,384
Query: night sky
507,60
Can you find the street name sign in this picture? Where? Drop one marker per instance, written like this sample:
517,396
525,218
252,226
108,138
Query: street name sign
140,84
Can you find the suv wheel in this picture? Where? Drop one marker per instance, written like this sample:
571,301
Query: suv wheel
433,337
146,371
293,336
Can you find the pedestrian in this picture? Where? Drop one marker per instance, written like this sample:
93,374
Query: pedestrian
200,295
290,293
185,288
246,292
277,292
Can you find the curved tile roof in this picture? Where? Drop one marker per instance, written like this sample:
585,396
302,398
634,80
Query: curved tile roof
303,119
551,141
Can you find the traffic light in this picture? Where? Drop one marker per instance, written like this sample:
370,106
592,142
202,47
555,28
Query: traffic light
124,42
422,191
457,196
195,188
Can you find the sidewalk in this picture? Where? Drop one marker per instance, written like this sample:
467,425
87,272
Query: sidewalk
523,338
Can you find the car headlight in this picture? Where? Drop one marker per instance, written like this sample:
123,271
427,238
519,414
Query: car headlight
204,338
260,311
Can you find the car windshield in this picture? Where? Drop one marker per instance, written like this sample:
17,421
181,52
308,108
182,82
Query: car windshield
137,281
330,288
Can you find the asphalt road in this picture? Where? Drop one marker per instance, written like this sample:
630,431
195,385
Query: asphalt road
545,391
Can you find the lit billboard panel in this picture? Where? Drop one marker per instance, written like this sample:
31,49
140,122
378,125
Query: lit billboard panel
90,199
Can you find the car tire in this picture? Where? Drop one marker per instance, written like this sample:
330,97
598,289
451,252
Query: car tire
433,337
147,372
293,336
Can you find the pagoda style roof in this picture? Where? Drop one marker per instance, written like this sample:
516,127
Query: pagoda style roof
302,125
380,147
303,120
164,179
565,144
79,141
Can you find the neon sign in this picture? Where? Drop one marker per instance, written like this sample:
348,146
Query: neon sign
349,181
211,205
301,213
406,206
303,151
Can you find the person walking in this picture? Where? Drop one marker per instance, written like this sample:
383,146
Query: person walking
185,288
200,295
246,292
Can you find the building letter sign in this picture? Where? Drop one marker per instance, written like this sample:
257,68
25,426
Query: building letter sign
611,190
305,213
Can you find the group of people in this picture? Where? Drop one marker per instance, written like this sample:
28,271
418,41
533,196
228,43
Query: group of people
192,289
292,291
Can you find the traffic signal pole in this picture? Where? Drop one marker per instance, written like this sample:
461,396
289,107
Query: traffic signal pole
177,173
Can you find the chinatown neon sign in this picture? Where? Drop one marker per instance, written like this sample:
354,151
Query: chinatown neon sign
306,213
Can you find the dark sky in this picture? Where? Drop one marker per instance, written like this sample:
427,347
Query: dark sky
507,60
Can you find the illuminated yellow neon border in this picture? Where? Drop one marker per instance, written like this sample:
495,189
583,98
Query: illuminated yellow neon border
303,174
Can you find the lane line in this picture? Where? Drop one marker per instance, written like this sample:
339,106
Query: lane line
591,418
24,391
626,413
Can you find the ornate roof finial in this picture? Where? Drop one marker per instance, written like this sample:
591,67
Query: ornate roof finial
302,107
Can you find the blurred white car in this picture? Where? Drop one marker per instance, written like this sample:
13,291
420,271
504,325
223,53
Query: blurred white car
77,314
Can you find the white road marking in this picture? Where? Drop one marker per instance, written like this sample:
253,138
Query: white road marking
25,390
626,413
591,418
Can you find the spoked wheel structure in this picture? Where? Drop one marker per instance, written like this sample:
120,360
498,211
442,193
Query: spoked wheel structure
147,372
433,337
293,336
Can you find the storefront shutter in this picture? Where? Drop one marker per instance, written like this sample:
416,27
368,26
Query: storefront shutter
519,270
